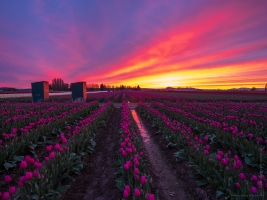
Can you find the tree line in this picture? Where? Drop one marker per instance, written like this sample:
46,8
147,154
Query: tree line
59,85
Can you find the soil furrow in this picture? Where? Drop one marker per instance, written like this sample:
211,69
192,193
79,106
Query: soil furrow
97,179
166,181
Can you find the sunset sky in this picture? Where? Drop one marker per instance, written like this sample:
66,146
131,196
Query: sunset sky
194,43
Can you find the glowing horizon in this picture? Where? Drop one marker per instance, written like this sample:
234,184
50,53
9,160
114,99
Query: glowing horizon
203,44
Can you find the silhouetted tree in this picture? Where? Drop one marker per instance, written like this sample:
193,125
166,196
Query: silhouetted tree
253,89
138,88
102,87
58,85
266,87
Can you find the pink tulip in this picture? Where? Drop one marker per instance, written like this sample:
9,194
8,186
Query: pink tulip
48,148
143,179
254,178
207,147
23,164
237,185
259,184
127,187
22,179
220,153
36,173
125,194
236,167
136,171
126,167
206,138
262,177
206,152
253,190
7,178
20,184
28,176
12,190
150,197
239,163
52,155
123,153
242,176
218,157
6,196
136,192
236,157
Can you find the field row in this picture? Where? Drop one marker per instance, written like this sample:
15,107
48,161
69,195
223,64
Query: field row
223,153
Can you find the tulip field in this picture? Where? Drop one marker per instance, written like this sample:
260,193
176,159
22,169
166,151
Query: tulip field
94,150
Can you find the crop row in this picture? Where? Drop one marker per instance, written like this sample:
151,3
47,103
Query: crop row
243,143
133,180
39,134
220,167
30,116
43,180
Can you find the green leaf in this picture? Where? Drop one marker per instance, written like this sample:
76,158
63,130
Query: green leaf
93,143
18,158
181,155
83,153
219,193
202,183
120,183
9,165
34,196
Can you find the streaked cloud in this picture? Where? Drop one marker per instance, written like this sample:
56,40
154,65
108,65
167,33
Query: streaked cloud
205,44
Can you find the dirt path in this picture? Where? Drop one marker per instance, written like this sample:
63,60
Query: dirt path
165,179
97,179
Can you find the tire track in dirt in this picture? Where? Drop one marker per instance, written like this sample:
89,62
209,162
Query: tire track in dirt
166,181
97,179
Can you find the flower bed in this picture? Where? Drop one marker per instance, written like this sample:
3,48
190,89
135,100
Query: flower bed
220,169
44,180
133,181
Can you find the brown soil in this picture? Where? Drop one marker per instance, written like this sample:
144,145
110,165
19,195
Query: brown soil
97,179
184,184
169,186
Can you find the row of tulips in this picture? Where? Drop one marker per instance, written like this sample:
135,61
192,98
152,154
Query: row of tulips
21,120
39,134
133,181
222,169
196,96
231,116
251,149
43,180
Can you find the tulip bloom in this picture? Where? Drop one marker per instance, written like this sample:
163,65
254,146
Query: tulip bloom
36,173
6,196
127,187
254,178
143,179
237,185
125,194
253,190
7,178
23,165
150,197
136,171
48,148
136,192
12,190
126,167
28,176
242,176
52,155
